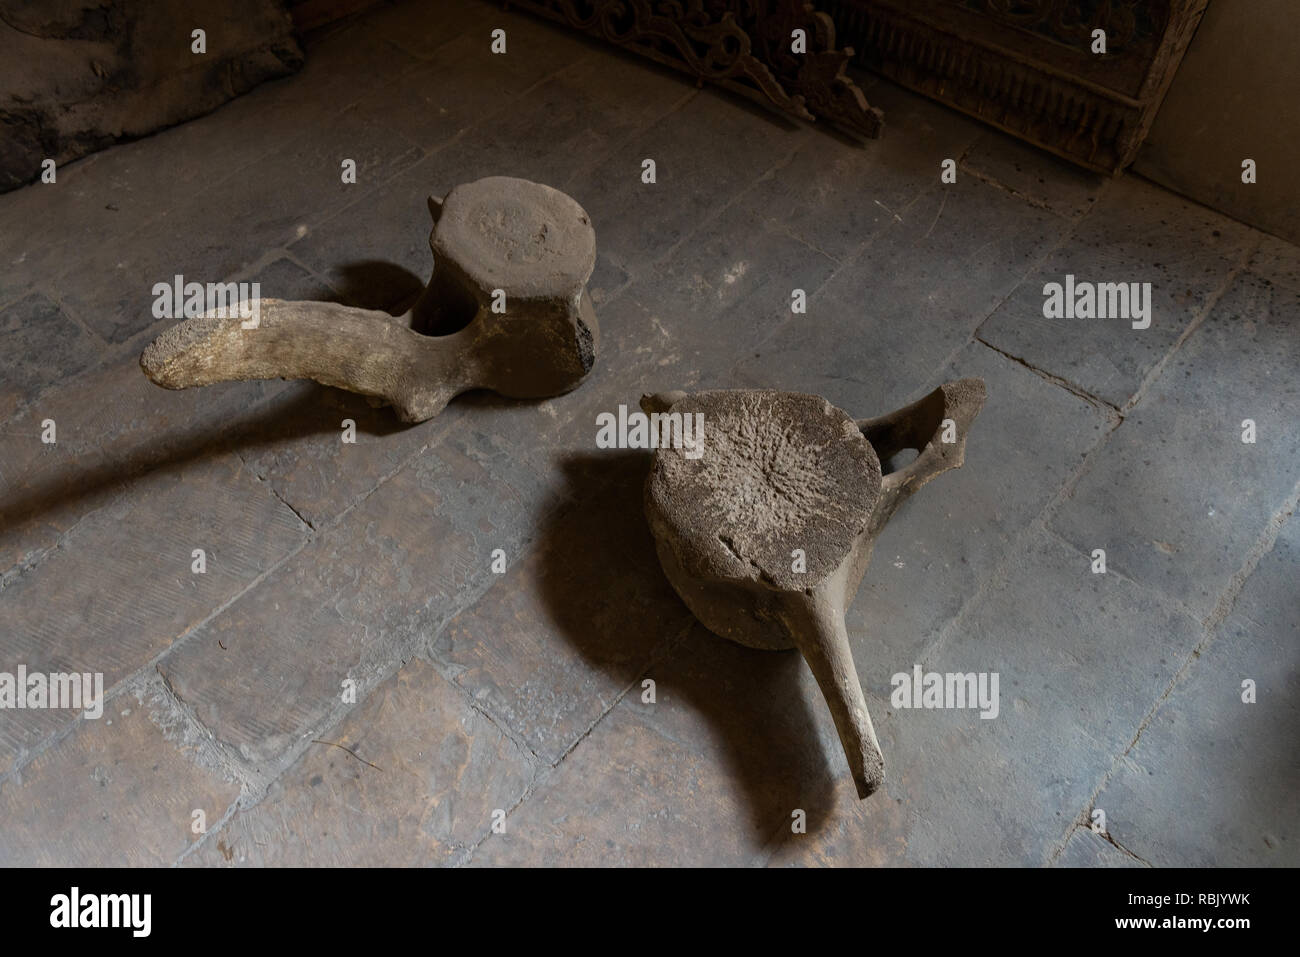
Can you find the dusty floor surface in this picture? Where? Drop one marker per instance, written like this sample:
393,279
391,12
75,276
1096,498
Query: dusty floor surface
502,718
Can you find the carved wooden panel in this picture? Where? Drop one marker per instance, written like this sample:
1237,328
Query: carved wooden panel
1027,67
743,45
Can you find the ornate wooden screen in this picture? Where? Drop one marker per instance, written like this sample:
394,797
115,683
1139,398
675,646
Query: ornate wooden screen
744,45
1027,66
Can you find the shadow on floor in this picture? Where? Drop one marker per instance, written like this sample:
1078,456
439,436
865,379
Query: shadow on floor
375,284
614,604
311,410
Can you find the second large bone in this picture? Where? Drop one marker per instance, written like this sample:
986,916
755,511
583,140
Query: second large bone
789,476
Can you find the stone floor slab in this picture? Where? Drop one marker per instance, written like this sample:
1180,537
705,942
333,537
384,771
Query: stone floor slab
1040,177
910,300
39,347
567,628
111,424
1277,261
1176,498
1137,233
412,778
114,793
709,774
221,231
835,195
393,572
1214,781
1081,658
121,588
705,154
943,545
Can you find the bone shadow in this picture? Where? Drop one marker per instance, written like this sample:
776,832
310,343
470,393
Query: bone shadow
615,606
374,284
314,410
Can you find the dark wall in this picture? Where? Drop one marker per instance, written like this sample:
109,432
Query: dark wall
1235,97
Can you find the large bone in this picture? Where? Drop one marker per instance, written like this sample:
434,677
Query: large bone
776,472
493,238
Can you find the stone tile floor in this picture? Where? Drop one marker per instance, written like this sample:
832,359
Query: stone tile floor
350,682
